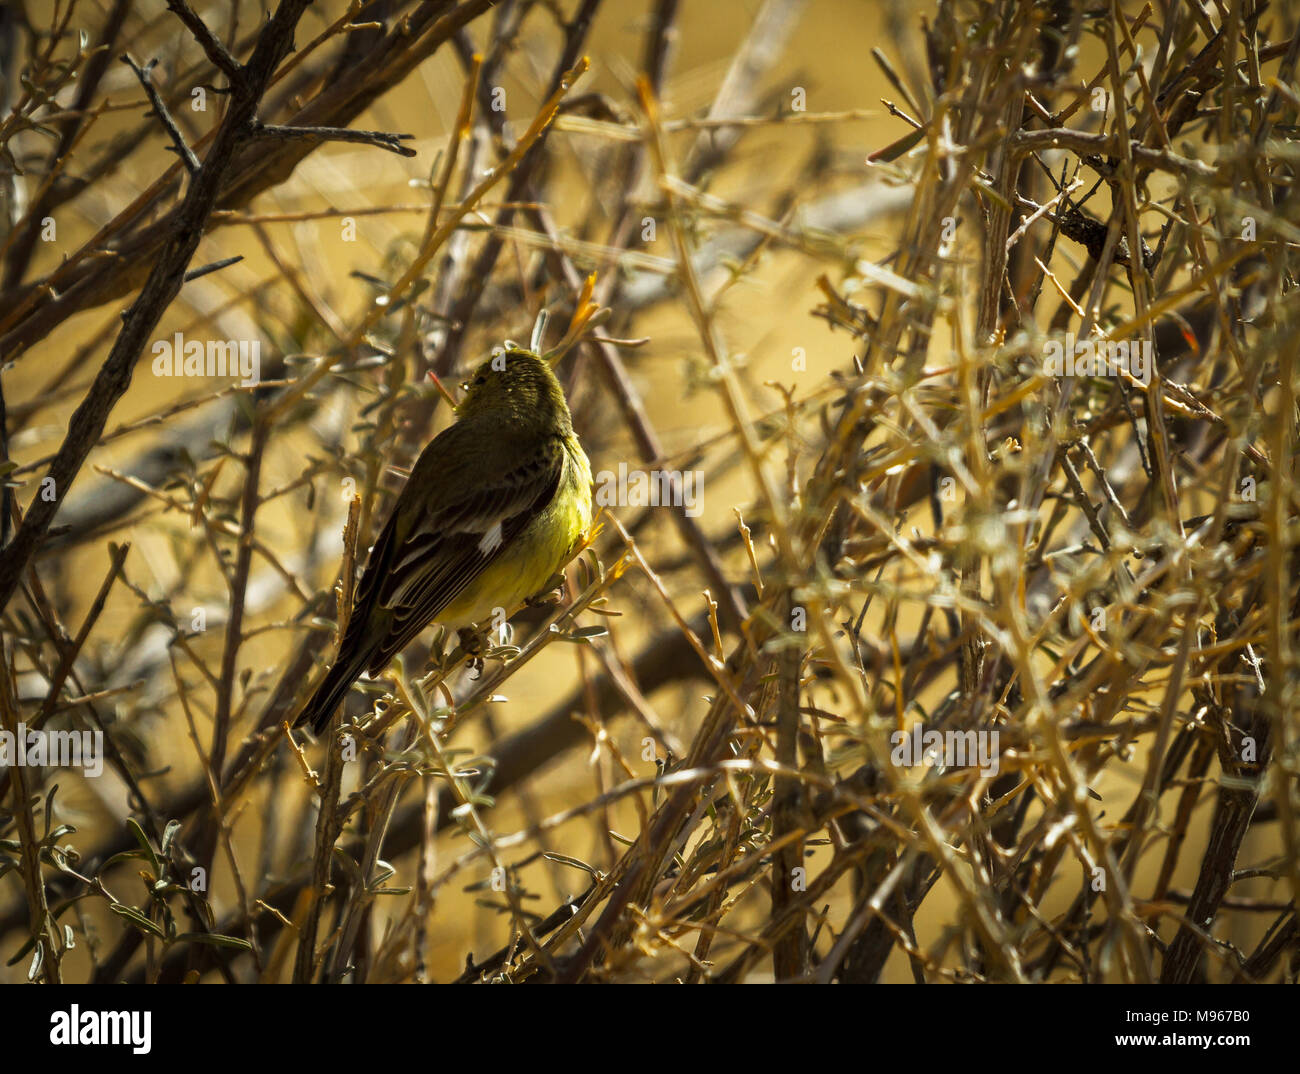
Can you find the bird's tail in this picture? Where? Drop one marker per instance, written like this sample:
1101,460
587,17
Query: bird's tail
330,693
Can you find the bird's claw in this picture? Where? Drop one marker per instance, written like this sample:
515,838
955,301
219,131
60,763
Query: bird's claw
473,644
471,641
551,593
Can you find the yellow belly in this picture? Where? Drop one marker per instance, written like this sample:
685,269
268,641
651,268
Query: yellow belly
539,550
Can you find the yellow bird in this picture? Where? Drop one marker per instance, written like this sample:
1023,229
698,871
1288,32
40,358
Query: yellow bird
494,506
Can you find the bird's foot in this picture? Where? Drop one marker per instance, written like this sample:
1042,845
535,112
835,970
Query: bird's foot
473,643
551,593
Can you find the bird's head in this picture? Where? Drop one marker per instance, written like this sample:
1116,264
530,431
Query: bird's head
516,383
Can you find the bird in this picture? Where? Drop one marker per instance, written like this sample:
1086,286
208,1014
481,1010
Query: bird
495,505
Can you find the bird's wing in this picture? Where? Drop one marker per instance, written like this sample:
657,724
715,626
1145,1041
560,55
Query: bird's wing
429,554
